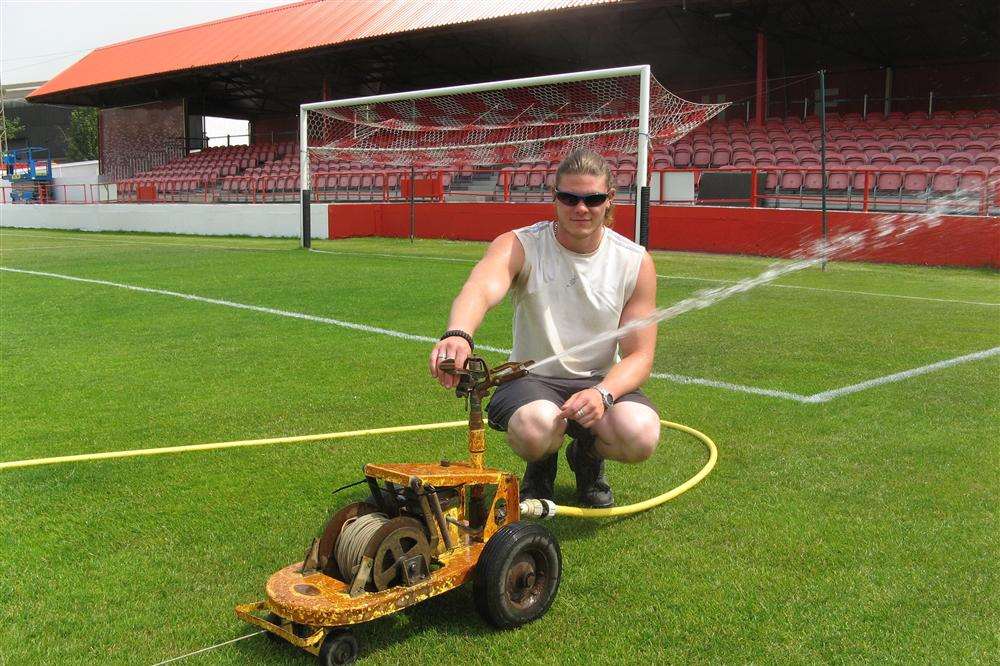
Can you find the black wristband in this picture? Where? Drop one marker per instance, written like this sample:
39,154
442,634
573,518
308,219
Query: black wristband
458,333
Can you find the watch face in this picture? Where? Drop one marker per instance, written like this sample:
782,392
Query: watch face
606,398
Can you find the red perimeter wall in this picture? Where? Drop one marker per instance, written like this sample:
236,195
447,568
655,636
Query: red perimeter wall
956,241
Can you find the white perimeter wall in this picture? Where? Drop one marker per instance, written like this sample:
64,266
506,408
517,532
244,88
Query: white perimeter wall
201,219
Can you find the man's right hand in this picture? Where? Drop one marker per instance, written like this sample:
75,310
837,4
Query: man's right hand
452,347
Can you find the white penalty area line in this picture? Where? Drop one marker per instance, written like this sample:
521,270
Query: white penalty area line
824,396
827,396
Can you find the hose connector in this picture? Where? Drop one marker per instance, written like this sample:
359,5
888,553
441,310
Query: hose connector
538,508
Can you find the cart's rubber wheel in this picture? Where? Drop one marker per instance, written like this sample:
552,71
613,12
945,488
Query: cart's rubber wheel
339,647
517,575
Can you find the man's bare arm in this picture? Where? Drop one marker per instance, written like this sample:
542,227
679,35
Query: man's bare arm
486,286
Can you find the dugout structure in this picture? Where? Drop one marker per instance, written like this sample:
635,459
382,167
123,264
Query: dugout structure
617,111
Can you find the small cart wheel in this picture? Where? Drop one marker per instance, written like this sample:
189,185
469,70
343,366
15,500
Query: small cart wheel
339,647
517,575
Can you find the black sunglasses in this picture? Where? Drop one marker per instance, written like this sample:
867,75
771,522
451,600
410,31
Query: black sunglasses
589,200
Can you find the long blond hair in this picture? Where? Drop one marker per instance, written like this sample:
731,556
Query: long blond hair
583,162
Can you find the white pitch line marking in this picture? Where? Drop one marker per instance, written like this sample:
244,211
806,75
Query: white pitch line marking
827,396
824,396
244,306
115,240
396,256
739,388
54,247
210,647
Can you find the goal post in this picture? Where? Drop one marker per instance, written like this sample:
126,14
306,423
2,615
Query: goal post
498,123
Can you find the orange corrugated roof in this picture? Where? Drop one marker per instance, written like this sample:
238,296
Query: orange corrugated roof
285,29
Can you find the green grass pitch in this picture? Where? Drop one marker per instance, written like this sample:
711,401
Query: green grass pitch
858,529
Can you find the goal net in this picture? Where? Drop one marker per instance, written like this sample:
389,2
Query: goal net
620,113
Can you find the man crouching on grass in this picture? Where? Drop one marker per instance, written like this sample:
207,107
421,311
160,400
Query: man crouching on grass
571,280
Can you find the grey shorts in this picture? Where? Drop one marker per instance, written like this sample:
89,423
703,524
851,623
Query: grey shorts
507,398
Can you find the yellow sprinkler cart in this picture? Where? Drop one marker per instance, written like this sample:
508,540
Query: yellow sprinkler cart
426,528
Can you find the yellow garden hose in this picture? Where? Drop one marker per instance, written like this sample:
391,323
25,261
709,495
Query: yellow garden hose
529,508
129,453
546,509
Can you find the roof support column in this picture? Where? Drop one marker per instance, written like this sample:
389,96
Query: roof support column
761,111
887,92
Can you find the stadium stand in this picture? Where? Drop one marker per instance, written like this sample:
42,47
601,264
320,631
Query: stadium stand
900,161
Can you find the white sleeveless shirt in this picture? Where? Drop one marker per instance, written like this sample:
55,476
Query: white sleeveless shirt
562,298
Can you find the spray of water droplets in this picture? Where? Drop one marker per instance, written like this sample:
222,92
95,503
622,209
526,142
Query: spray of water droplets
888,230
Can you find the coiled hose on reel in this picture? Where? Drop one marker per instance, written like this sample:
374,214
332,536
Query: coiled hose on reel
353,540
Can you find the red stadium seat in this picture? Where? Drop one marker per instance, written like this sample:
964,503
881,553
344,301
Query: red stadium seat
972,180
812,180
915,183
702,157
931,160
863,179
946,148
791,181
771,180
682,156
837,182
987,160
960,159
944,182
721,157
889,181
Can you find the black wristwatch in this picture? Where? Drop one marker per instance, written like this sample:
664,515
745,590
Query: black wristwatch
606,396
458,333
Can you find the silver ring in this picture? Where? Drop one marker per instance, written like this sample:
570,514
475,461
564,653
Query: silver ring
442,356
579,412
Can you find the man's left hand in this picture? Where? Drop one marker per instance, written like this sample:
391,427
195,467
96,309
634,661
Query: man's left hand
585,407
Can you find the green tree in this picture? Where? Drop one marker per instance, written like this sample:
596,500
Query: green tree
12,126
81,139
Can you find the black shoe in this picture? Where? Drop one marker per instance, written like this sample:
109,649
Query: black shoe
540,478
592,489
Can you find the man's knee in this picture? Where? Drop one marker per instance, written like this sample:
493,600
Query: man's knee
637,432
641,448
535,429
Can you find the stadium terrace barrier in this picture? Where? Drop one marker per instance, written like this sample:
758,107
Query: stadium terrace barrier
278,220
968,190
956,241
84,193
